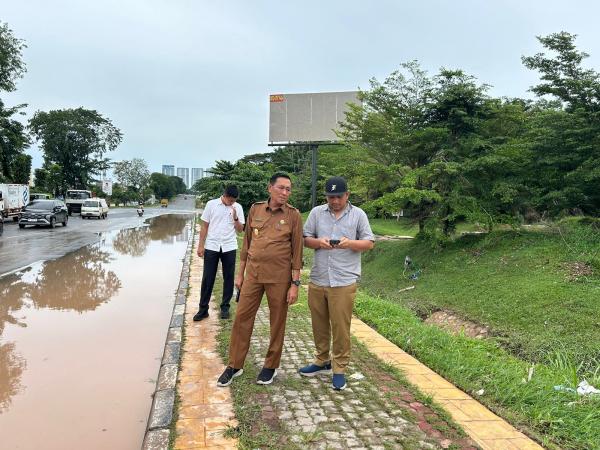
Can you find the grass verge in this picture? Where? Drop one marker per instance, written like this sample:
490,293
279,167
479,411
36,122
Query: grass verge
524,287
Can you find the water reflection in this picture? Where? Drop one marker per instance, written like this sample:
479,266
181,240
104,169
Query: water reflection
132,241
80,281
167,229
12,366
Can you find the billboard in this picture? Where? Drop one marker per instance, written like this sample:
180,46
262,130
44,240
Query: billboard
308,117
107,187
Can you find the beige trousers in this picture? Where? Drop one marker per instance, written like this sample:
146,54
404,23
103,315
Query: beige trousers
250,298
331,313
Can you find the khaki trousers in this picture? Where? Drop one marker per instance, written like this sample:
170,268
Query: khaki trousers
250,299
331,313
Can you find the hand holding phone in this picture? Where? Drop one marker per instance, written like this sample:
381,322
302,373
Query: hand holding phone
334,242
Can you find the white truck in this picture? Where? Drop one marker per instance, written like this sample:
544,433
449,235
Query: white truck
75,198
13,197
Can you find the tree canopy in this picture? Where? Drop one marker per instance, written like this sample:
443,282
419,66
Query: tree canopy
75,140
443,150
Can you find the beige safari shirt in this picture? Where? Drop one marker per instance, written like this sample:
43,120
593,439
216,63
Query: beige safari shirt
273,243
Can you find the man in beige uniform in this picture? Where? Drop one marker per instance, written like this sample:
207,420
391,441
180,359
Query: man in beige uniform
270,262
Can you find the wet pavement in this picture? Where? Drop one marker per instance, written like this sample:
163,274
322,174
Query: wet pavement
81,339
22,247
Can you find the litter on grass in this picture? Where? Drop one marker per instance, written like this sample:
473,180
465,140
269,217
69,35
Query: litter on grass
356,376
583,388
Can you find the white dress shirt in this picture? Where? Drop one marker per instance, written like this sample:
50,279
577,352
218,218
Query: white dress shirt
221,230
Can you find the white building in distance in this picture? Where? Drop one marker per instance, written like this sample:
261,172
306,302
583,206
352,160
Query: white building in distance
184,174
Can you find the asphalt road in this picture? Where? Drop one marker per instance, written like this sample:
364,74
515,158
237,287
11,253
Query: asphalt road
22,247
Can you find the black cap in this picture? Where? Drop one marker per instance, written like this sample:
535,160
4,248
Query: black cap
335,186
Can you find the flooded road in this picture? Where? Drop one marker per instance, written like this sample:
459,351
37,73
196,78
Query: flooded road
81,339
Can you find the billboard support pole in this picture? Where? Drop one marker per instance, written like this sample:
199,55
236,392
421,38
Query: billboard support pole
314,150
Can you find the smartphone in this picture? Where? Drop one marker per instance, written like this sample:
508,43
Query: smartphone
334,242
237,295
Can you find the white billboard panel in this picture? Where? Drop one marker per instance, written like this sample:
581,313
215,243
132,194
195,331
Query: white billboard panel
107,187
308,117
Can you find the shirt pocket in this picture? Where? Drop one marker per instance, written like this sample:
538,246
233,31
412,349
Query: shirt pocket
348,229
257,225
282,230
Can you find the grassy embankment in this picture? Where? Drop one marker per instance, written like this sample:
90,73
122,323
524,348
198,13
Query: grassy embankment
534,293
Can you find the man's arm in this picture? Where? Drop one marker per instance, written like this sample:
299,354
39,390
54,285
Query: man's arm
310,234
239,279
237,223
357,245
202,239
365,237
292,294
317,243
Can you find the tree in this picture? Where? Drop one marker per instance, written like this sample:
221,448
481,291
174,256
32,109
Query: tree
76,140
12,66
22,169
565,137
562,76
251,180
222,170
133,174
13,140
179,186
161,185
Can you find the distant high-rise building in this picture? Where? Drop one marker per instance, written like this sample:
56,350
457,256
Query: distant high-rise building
168,170
197,173
184,174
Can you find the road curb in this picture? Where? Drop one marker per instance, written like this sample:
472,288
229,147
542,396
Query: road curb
161,414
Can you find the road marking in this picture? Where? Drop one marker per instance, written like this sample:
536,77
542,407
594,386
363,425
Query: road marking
21,268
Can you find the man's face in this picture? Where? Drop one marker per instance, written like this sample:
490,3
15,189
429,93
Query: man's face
280,191
228,200
337,203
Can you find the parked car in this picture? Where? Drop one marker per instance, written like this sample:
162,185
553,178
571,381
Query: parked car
95,207
44,212
164,203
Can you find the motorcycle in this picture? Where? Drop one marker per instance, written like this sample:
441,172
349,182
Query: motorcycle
140,212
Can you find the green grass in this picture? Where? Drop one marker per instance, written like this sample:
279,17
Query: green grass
404,226
515,282
518,284
393,227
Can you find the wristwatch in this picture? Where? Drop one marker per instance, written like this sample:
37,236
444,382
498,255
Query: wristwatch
296,282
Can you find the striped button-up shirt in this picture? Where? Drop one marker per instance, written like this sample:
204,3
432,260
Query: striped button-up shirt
337,267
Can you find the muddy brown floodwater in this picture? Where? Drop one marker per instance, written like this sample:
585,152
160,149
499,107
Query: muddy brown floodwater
81,339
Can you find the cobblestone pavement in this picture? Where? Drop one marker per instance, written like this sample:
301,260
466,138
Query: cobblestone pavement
365,415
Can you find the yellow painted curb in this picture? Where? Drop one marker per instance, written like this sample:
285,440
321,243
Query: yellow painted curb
487,429
205,410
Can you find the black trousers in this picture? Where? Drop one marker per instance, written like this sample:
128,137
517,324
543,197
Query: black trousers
211,264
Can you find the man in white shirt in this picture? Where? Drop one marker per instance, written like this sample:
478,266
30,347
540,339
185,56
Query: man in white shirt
221,219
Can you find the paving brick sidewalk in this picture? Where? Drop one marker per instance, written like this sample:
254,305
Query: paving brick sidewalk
374,412
378,410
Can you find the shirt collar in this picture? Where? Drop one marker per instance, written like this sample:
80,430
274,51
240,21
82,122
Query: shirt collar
268,208
346,209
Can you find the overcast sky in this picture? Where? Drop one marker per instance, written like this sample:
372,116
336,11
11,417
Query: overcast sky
187,81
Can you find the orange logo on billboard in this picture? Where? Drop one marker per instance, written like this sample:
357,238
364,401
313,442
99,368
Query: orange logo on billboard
276,98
